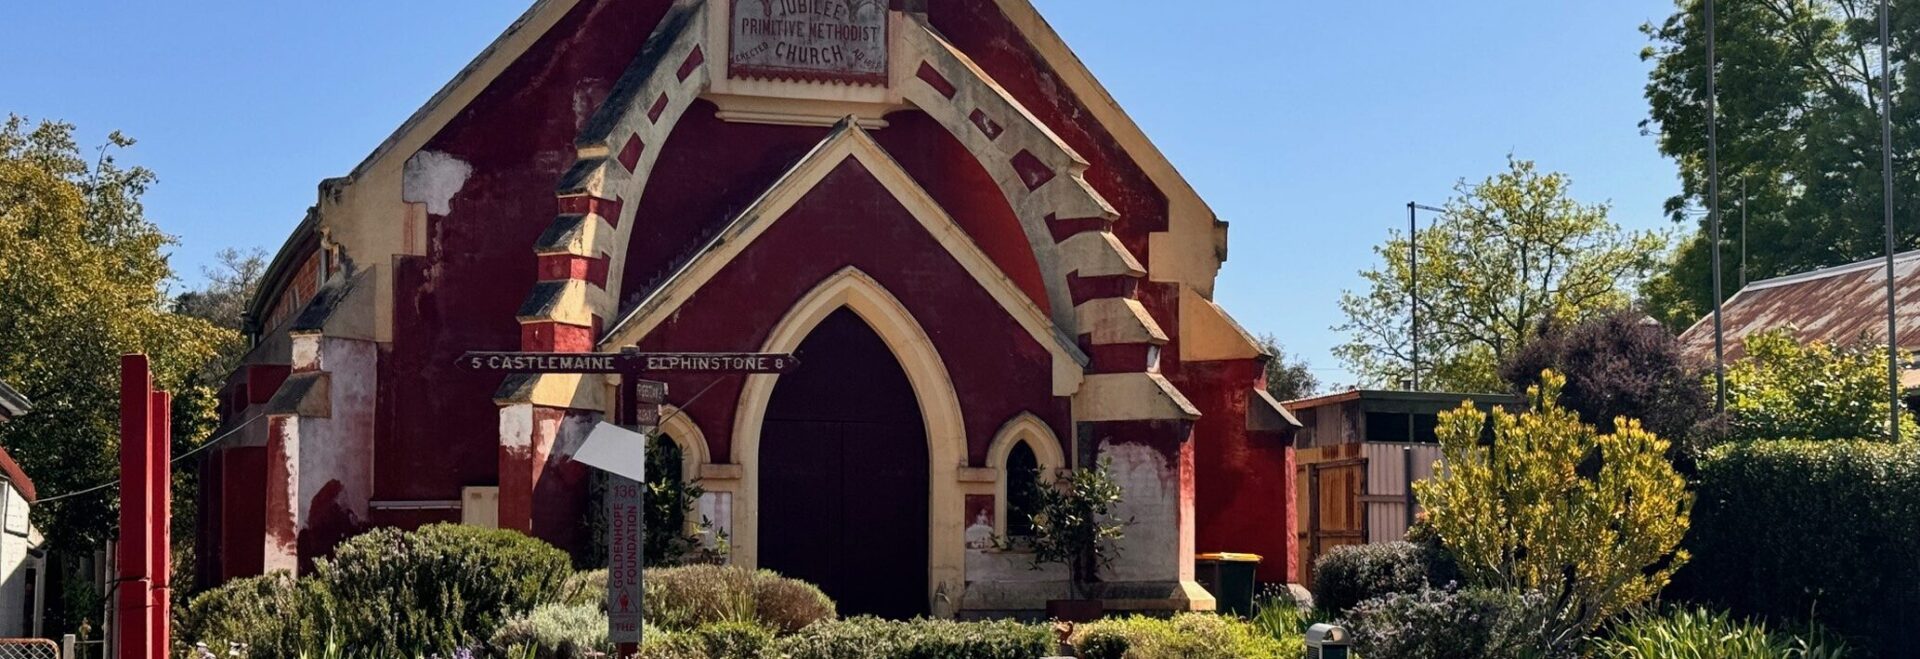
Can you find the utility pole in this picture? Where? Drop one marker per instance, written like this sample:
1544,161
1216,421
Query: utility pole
1886,192
1713,218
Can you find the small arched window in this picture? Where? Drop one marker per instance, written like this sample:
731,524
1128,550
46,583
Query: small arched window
665,462
1023,478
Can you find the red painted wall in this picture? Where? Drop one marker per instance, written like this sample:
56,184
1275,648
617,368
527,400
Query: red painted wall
957,181
439,429
850,219
243,513
1244,498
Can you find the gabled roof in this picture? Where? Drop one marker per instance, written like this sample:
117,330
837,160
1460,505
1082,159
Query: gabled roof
1831,305
12,472
1053,50
847,142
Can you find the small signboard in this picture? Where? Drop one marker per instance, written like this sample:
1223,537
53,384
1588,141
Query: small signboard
622,452
648,392
625,522
830,40
629,362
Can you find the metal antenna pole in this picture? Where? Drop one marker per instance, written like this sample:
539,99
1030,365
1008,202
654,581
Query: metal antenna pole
1713,215
1413,292
1413,289
1886,192
1743,232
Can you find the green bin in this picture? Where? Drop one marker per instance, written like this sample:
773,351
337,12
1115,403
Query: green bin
1230,577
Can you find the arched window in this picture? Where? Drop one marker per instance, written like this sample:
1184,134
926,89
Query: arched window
1023,477
665,464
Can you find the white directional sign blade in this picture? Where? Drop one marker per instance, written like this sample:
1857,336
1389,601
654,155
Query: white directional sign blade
615,450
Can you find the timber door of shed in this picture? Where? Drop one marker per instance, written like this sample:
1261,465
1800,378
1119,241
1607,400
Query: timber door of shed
1335,479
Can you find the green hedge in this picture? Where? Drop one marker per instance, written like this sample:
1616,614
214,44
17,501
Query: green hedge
1351,574
445,586
872,638
1786,530
264,617
1184,636
1455,624
555,631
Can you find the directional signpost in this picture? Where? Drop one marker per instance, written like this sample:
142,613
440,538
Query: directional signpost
622,452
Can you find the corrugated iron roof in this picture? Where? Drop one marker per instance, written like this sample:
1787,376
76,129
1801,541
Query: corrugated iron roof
1832,305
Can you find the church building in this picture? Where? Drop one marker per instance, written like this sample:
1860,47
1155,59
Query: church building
981,263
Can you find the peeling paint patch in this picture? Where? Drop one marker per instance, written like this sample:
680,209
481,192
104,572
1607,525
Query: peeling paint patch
306,354
516,428
1152,500
433,178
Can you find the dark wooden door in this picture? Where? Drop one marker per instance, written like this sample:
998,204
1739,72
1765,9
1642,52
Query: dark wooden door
843,474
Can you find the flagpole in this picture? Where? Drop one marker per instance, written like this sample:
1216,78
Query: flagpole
1886,194
1713,218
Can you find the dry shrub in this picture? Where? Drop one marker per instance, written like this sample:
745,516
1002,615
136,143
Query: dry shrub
695,596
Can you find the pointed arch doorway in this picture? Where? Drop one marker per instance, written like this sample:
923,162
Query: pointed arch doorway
844,473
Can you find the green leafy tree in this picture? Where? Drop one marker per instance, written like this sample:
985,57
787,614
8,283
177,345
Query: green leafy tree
1786,389
222,300
1512,254
1074,523
83,280
1552,505
1622,364
1799,134
1288,377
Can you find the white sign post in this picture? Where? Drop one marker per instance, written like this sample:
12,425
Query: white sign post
622,453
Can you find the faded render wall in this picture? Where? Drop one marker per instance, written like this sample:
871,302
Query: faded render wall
1244,497
439,429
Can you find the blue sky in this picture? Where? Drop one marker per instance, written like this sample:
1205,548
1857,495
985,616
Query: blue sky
1307,125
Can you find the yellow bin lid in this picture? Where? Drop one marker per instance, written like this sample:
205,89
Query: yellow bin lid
1231,558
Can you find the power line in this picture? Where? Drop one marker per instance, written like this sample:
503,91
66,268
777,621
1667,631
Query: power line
175,461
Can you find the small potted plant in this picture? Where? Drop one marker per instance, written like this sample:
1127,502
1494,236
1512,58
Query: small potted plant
1074,525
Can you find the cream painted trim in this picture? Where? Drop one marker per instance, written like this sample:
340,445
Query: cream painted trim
610,179
1105,109
1207,333
932,387
1067,197
677,426
596,238
1131,397
850,142
1046,450
564,391
578,302
1118,321
1099,254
